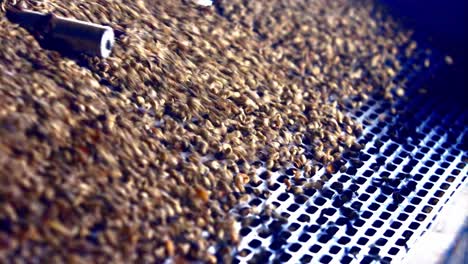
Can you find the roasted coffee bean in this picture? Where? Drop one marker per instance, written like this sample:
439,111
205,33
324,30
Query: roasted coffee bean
141,156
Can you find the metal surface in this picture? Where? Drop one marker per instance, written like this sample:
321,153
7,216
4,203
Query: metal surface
413,162
66,34
446,240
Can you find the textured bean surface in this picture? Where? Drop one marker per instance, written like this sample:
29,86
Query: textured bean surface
140,157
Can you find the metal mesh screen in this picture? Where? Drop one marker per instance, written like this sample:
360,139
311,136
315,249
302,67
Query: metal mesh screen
388,195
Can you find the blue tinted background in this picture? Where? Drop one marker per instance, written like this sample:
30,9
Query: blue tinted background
443,25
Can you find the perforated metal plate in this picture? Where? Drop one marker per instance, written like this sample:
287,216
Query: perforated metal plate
413,162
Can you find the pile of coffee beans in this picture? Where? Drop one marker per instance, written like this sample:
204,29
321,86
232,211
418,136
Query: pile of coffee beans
139,157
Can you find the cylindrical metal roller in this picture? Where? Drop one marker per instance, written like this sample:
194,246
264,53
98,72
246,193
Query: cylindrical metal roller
69,34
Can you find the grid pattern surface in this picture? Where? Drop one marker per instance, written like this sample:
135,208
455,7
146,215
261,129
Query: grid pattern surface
383,199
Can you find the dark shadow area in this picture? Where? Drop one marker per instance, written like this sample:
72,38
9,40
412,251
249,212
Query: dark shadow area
442,26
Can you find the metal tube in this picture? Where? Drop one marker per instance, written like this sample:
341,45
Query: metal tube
70,34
